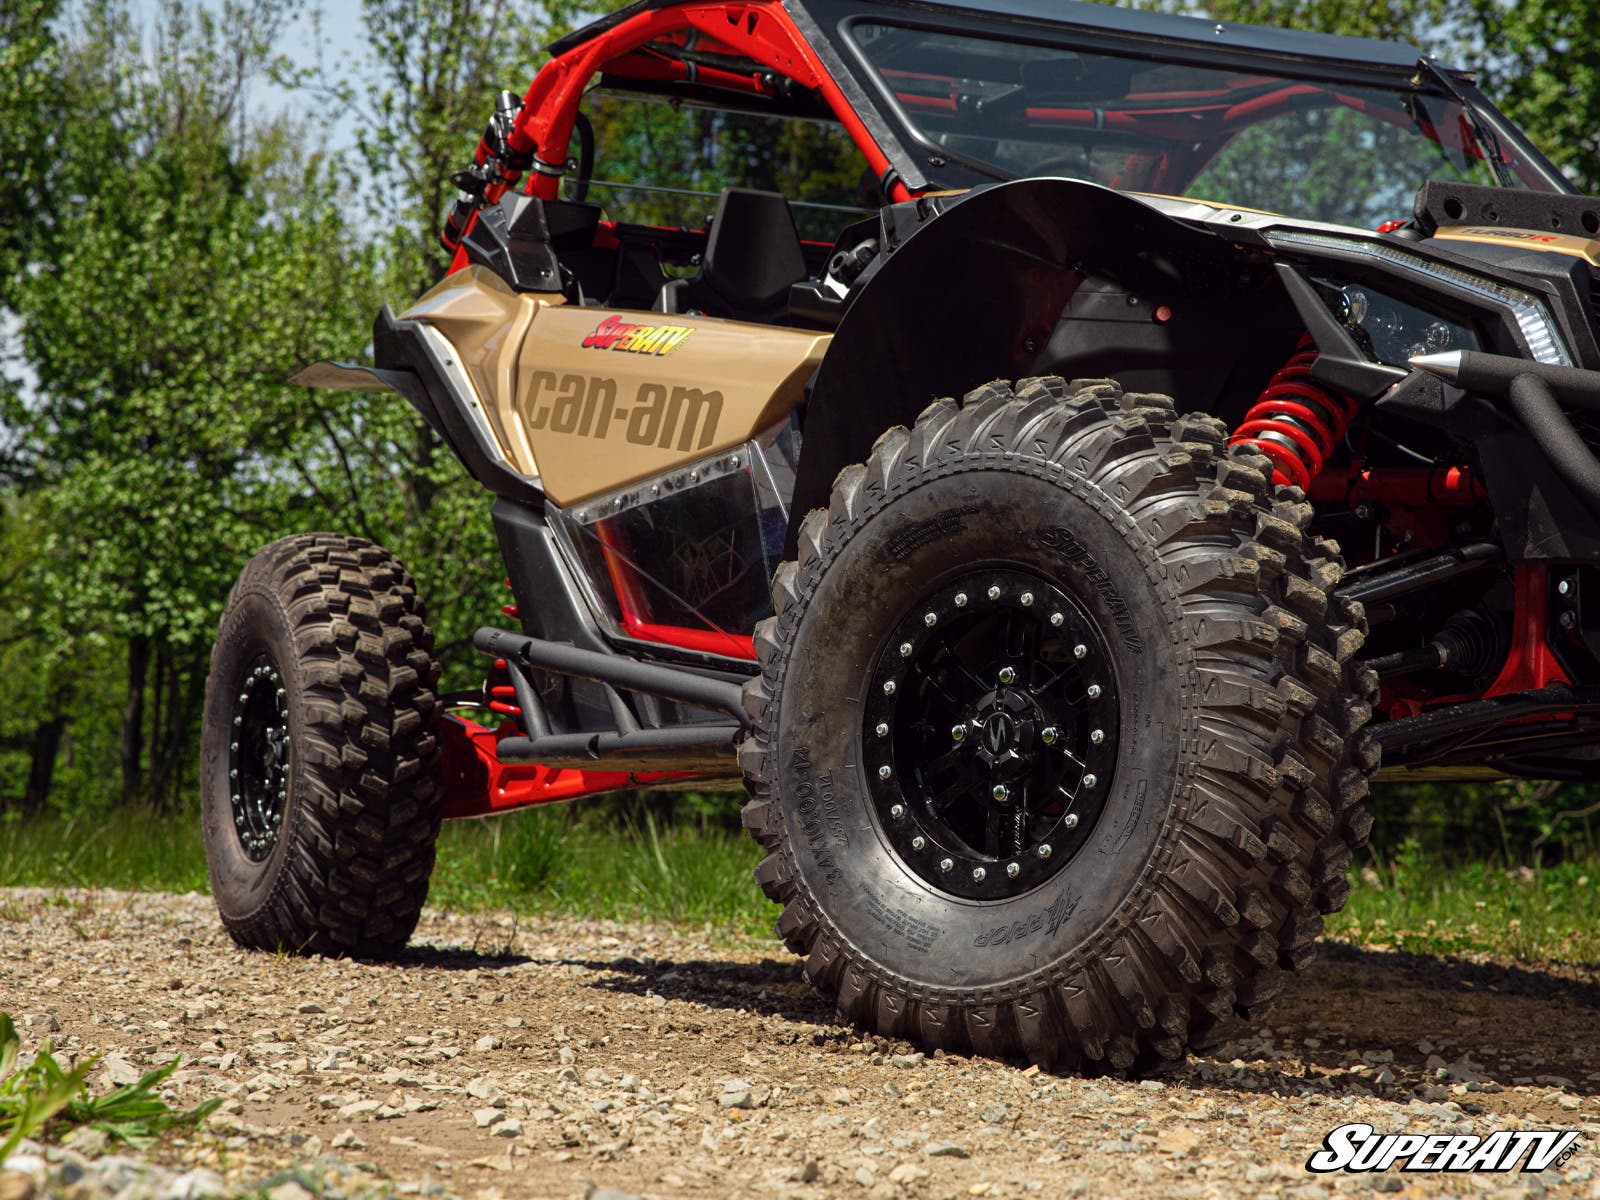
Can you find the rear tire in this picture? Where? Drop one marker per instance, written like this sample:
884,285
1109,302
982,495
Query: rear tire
1183,893
319,759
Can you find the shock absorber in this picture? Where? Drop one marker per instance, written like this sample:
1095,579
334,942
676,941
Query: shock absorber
1297,423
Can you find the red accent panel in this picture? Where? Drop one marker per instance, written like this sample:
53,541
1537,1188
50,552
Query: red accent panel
478,784
1401,487
1531,663
707,641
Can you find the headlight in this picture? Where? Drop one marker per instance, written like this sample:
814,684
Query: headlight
1390,330
1528,313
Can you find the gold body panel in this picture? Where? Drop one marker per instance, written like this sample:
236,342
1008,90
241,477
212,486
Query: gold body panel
593,399
1527,239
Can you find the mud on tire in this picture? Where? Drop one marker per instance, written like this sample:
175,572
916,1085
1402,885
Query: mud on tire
320,790
1192,883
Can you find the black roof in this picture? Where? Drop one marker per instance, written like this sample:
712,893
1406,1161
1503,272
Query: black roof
1106,18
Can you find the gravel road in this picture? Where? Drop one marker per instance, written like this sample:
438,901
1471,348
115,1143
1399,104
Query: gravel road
554,1057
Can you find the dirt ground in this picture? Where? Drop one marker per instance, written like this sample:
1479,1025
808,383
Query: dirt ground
551,1057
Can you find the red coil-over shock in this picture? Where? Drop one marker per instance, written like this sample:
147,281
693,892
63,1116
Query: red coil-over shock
1297,423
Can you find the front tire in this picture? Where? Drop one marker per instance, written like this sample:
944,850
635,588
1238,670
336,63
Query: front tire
1156,577
319,759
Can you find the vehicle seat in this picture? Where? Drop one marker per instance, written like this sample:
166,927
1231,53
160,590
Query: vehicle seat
752,256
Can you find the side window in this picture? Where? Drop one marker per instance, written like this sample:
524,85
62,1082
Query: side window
661,162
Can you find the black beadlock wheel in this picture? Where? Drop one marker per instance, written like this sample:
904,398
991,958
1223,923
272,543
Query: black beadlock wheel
319,761
1047,729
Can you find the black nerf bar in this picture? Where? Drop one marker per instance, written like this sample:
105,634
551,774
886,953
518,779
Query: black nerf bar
670,683
1493,374
1533,391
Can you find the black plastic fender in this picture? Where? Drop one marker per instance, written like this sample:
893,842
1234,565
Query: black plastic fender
985,287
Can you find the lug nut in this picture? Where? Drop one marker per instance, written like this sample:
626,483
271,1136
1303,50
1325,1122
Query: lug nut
930,619
946,864
882,730
1094,691
1080,651
1049,735
1013,869
961,599
888,687
897,811
1090,780
1044,850
979,874
1057,620
884,772
905,649
1008,675
1001,792
1026,597
1097,736
1070,821
994,593
919,842
958,733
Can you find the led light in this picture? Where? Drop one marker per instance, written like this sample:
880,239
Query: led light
1531,315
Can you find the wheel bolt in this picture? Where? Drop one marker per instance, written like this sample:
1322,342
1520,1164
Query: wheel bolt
233,746
1026,597
1094,691
961,599
1097,736
946,864
1070,821
1044,850
1057,620
930,619
897,811
919,842
1090,780
1080,651
979,874
233,773
958,733
1049,734
1001,792
994,593
888,687
884,772
905,649
882,730
1013,869
1008,675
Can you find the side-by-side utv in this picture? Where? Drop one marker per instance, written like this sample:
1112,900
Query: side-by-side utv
1126,434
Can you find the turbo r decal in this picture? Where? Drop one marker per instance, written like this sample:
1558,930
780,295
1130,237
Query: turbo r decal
616,334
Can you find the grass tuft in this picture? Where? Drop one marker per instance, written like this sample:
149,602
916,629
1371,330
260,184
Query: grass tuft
43,1096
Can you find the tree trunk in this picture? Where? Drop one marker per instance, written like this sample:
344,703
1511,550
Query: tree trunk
130,740
42,756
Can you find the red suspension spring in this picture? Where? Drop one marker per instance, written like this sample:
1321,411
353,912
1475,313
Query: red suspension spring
1297,423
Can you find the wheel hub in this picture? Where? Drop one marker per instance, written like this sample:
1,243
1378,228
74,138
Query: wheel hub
259,758
991,733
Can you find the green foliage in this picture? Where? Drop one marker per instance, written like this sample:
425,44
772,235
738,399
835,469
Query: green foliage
44,1094
1414,901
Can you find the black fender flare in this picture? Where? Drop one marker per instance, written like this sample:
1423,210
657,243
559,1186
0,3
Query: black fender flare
974,294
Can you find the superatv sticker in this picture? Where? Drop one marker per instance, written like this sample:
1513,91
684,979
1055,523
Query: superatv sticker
586,405
1358,1147
616,334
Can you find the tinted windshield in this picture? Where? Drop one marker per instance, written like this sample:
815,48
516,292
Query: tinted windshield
1316,150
